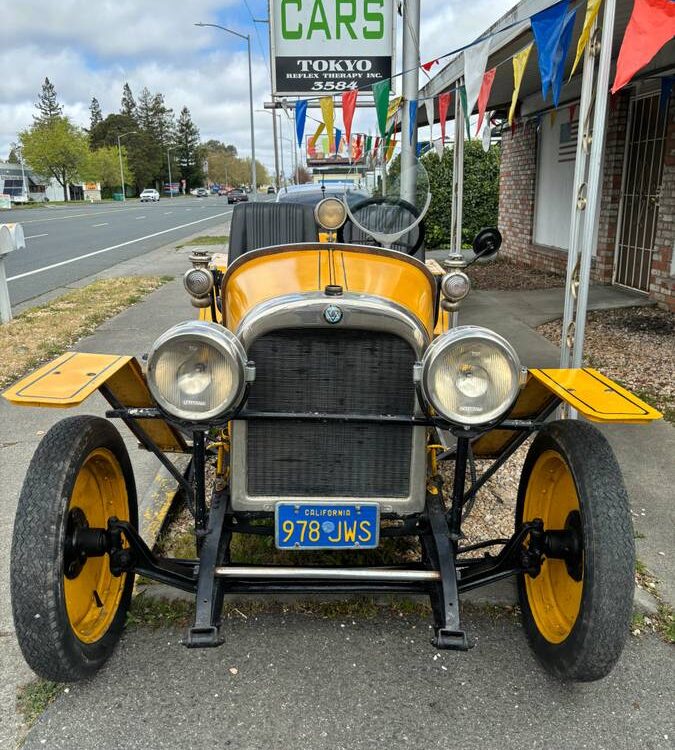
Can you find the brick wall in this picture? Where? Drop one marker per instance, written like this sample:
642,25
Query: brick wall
517,196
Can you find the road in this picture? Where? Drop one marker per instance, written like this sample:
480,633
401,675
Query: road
67,243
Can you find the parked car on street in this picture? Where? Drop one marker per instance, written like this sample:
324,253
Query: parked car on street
237,195
271,190
200,192
149,194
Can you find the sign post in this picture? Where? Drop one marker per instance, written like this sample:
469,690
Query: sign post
330,46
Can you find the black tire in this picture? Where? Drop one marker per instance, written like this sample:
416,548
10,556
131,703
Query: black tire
37,577
598,634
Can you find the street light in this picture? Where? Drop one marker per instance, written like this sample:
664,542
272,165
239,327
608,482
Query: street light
254,181
276,145
23,174
119,149
168,161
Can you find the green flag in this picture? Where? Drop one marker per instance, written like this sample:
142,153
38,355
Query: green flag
381,96
369,144
462,96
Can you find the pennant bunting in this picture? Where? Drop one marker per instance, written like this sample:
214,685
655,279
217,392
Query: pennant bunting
412,119
390,149
369,143
381,97
377,143
560,55
429,65
338,138
429,109
519,64
315,137
443,105
348,107
547,29
328,114
666,90
300,119
462,96
484,95
592,8
651,25
475,62
439,146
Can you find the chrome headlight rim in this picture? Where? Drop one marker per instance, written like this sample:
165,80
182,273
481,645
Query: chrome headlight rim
216,336
440,345
320,208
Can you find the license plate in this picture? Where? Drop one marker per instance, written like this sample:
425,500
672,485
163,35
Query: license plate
327,525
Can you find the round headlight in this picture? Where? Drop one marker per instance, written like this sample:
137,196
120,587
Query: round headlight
197,371
330,213
455,286
198,281
470,375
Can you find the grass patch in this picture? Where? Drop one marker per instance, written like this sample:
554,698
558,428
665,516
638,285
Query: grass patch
33,699
207,239
41,333
156,612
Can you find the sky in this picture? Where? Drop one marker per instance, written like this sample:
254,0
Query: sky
91,48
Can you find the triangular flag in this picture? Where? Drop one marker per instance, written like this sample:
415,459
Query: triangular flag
328,114
300,118
348,106
338,138
315,137
666,89
429,65
519,64
547,29
651,25
592,8
377,142
429,108
381,97
443,105
438,145
412,118
390,149
560,55
484,95
475,61
462,96
369,143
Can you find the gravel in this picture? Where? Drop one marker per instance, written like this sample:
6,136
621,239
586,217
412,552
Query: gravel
505,275
634,346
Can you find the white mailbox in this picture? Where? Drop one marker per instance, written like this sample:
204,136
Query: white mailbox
11,238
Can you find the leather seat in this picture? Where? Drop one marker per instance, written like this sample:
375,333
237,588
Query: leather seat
256,225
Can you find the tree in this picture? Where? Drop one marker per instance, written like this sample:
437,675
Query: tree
302,176
103,166
128,102
47,104
95,114
188,149
58,149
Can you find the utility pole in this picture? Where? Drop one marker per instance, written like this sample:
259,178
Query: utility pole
411,59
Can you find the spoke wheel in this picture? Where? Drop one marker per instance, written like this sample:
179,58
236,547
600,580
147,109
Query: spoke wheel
576,611
69,609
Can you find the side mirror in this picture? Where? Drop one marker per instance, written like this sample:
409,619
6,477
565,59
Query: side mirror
487,242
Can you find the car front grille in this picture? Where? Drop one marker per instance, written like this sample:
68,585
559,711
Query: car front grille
330,371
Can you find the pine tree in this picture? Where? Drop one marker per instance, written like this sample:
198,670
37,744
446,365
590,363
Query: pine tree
163,120
144,110
95,114
188,151
47,104
128,102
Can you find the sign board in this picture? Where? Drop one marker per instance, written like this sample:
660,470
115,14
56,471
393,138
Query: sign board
330,46
5,200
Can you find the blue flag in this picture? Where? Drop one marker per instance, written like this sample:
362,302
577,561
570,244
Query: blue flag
338,138
412,116
560,56
547,28
300,117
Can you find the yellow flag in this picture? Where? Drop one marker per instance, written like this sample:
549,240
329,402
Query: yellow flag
394,104
519,65
328,114
592,9
315,137
390,150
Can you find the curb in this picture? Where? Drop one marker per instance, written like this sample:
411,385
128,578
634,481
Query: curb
156,503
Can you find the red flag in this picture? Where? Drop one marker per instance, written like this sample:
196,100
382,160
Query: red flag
651,25
429,65
377,143
348,106
484,95
443,105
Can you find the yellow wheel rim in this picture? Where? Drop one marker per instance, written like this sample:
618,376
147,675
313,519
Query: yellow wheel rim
554,596
93,595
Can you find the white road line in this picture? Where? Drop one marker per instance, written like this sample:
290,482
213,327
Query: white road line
34,236
76,216
104,224
166,213
115,247
140,217
188,209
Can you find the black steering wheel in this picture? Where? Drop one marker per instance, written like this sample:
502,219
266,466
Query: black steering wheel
393,214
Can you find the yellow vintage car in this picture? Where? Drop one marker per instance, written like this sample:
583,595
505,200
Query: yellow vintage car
325,382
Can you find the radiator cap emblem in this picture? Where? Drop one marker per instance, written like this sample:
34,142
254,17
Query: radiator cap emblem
332,314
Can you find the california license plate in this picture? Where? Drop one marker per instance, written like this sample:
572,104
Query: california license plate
327,525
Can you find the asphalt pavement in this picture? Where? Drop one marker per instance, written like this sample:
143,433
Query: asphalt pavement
67,243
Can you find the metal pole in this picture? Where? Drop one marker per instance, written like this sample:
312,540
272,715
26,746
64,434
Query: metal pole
168,161
411,59
254,180
457,175
23,176
275,136
281,148
5,304
119,149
